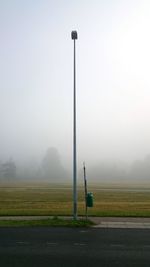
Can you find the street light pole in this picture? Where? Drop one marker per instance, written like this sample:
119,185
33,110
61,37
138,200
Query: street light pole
74,37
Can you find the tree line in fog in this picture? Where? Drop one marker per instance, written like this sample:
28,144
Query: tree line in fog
51,170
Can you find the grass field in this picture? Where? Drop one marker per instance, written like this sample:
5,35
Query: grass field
46,199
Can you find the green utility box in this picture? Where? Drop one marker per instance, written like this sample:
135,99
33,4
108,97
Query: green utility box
89,200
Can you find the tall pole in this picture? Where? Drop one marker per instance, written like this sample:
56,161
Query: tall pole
74,37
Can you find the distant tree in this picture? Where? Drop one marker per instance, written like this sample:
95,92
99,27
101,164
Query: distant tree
52,169
8,170
140,169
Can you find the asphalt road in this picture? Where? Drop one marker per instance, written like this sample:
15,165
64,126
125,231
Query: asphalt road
66,247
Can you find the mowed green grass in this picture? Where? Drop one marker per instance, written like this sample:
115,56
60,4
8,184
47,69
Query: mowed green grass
46,199
46,222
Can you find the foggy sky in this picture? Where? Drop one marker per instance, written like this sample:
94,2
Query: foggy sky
36,79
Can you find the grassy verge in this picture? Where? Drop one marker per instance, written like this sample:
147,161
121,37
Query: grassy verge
55,222
54,200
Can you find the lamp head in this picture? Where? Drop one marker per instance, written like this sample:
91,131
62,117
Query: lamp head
74,35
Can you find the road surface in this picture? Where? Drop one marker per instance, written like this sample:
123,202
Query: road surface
74,247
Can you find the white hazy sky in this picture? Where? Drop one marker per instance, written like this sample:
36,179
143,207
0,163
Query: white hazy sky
113,78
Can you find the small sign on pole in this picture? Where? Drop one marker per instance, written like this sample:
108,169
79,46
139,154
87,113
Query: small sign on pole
88,195
85,189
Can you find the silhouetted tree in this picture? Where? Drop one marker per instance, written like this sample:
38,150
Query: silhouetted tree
8,170
140,169
52,169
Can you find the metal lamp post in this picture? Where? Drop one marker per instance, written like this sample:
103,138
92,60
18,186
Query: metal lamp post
74,37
